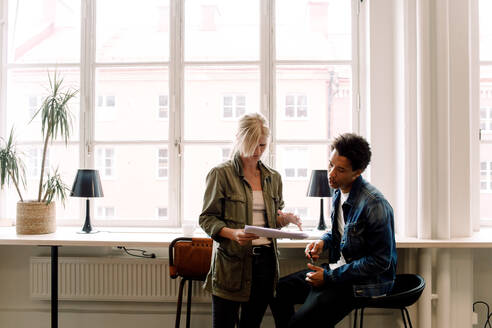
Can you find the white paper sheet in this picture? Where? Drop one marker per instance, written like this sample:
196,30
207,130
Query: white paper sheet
275,233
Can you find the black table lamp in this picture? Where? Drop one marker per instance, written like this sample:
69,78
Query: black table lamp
87,184
319,187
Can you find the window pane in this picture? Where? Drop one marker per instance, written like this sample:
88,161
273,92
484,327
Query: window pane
132,30
44,31
485,8
134,172
134,92
222,30
327,91
204,93
194,175
294,190
22,84
313,30
66,159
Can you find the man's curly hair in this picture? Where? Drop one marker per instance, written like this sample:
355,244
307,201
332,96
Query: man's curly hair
355,148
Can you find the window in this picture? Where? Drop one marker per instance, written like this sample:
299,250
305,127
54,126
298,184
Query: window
485,27
162,163
296,106
105,162
106,108
105,212
302,212
34,156
295,162
226,153
162,213
171,115
163,112
233,106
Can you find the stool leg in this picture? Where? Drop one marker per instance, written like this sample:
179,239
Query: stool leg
361,316
188,304
403,317
180,302
355,318
408,318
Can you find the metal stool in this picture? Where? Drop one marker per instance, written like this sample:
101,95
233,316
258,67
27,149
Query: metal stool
189,258
406,291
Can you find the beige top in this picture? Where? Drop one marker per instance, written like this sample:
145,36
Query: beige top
259,215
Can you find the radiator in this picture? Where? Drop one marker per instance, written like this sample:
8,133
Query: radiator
115,279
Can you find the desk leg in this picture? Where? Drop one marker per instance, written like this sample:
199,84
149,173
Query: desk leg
54,286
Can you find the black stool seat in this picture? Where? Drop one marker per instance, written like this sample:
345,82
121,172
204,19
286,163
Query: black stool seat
406,291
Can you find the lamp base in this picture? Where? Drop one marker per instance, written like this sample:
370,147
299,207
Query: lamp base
87,233
321,223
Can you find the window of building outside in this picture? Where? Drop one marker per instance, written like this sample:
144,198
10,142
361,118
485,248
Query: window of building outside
162,213
485,27
162,163
105,212
233,106
486,176
296,106
106,108
163,112
105,163
222,73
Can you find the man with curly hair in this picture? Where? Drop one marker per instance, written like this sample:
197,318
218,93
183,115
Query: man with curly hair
361,246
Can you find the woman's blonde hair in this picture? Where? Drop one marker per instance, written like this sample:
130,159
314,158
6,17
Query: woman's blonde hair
250,129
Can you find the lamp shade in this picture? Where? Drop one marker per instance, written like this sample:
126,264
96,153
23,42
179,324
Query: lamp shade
318,184
87,184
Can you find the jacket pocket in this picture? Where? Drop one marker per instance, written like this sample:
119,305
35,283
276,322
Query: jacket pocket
353,242
235,208
228,272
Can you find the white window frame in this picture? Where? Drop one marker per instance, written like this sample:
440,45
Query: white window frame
176,64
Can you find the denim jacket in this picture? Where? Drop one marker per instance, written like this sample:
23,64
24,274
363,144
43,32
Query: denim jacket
228,202
368,242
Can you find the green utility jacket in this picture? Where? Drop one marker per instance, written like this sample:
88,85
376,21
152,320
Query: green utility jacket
228,202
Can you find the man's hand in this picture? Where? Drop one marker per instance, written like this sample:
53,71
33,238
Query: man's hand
315,278
285,218
314,249
238,235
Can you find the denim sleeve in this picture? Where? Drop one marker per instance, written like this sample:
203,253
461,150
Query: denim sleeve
327,239
380,244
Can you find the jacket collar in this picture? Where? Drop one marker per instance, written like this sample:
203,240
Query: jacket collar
266,172
354,191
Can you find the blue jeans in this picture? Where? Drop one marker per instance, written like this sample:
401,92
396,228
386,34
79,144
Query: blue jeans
325,305
225,313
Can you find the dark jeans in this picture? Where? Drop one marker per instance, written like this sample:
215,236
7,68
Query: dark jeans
325,305
225,312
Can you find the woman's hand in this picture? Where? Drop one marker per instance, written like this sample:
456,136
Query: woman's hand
238,235
284,219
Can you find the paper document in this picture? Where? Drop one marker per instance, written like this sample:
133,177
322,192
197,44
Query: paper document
275,233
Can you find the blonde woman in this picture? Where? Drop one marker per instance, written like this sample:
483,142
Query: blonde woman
244,268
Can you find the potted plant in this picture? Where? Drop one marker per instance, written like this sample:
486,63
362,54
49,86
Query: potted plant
38,216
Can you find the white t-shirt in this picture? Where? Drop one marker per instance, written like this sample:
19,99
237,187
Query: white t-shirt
341,228
259,216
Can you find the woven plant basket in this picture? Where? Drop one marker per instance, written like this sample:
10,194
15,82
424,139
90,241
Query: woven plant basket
34,218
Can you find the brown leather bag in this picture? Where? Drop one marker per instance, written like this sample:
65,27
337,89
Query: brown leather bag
190,257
